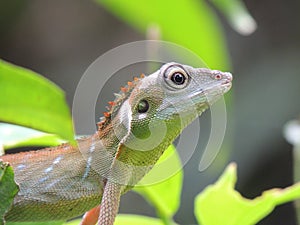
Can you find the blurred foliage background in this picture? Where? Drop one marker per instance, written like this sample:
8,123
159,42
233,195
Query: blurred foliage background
60,39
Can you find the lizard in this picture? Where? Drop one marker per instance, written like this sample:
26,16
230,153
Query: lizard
60,183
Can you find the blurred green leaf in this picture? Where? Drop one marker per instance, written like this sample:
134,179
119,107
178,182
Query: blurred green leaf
36,223
238,16
189,23
73,222
12,136
217,202
161,187
30,100
137,220
126,219
8,188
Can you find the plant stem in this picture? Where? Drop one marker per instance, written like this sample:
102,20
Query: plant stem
292,135
296,157
166,220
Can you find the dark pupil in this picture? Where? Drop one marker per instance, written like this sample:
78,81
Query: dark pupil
143,106
178,78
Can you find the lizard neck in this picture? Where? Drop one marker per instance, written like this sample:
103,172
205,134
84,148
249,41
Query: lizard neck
133,154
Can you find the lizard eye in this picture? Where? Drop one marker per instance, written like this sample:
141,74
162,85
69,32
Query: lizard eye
143,106
176,77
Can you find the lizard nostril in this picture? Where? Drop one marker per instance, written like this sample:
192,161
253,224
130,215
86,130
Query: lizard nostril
218,76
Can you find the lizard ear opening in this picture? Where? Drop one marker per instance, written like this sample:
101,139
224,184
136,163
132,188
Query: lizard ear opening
176,77
143,106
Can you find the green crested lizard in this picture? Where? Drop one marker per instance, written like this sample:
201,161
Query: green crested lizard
63,182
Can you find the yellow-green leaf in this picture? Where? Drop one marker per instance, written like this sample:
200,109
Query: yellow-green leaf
221,204
237,15
161,187
8,188
30,100
36,223
127,219
189,23
123,219
12,136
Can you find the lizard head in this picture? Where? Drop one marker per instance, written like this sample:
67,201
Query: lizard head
153,110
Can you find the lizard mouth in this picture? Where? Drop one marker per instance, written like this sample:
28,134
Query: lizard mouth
228,80
226,85
207,96
217,89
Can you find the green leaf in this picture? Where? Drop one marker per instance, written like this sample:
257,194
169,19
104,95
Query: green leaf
125,219
216,204
188,23
12,136
161,187
73,222
137,220
238,16
30,100
8,188
36,223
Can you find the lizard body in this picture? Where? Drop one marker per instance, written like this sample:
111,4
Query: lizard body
63,182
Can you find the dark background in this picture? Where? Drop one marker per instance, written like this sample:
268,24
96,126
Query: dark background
60,39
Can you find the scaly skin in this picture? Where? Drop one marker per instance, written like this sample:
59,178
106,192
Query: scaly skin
63,182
